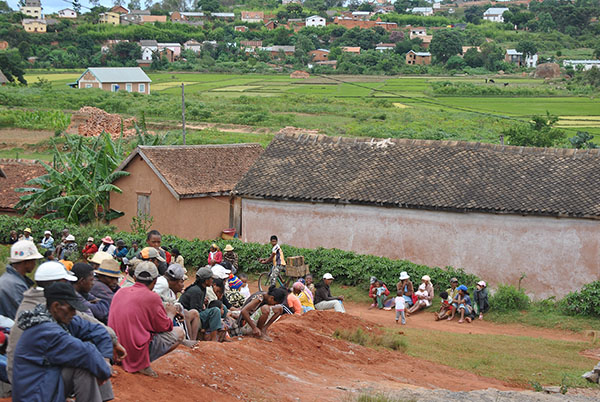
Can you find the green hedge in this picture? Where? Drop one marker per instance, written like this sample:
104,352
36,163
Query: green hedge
348,267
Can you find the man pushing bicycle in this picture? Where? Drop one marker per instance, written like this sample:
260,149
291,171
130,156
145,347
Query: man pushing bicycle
276,258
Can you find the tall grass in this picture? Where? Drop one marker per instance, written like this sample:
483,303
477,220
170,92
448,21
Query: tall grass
35,119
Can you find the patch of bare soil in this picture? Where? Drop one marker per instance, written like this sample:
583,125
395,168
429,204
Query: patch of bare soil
304,362
17,137
228,128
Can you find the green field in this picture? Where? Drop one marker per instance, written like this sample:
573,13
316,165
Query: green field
372,106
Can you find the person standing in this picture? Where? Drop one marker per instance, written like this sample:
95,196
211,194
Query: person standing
323,298
276,258
14,282
59,352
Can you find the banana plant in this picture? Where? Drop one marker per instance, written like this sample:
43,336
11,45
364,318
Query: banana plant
77,186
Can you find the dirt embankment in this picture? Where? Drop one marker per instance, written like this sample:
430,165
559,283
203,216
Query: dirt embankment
304,362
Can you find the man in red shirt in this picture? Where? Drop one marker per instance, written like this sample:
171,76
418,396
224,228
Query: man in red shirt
143,325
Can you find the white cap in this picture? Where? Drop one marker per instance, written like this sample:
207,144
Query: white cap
220,272
70,238
327,276
24,250
482,283
90,239
53,271
48,232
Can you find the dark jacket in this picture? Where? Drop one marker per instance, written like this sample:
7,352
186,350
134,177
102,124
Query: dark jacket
323,293
46,347
193,297
480,299
12,287
105,294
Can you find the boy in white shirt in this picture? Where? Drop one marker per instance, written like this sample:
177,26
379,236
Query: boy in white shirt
244,289
400,305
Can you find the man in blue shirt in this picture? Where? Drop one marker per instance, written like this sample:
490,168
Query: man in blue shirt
59,351
14,282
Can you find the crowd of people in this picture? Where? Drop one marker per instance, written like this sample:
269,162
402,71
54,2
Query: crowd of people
455,301
90,308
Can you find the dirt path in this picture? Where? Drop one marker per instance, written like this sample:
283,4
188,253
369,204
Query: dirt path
16,137
424,320
228,128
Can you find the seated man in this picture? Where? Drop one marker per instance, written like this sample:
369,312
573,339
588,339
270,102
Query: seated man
106,283
323,298
14,282
84,273
194,297
168,286
46,274
60,352
144,326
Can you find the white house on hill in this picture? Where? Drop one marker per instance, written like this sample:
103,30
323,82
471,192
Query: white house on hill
316,21
494,14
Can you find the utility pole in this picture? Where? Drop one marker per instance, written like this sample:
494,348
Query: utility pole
183,110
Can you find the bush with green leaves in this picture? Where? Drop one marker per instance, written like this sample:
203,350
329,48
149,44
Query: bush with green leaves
583,302
347,267
509,298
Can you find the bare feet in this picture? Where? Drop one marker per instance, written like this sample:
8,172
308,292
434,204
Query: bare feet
266,337
481,316
461,321
188,343
450,318
468,319
149,372
437,317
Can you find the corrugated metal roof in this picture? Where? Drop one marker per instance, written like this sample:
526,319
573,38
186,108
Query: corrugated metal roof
118,74
495,11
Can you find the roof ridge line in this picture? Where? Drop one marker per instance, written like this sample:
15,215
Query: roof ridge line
340,140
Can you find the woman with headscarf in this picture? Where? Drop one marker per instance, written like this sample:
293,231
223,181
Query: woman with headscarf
304,295
215,256
373,292
426,301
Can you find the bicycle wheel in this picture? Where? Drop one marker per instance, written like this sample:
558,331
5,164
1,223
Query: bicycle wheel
263,282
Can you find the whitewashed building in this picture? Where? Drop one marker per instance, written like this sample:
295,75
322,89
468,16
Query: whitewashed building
316,21
67,13
494,14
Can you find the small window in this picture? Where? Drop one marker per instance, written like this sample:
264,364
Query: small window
89,86
115,87
143,204
141,87
128,87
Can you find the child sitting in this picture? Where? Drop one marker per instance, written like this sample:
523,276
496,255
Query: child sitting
244,289
400,305
422,292
445,308
381,292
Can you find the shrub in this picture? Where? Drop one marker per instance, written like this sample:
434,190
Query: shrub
509,298
388,340
583,302
347,267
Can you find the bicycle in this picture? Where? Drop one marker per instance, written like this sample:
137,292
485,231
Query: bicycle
264,280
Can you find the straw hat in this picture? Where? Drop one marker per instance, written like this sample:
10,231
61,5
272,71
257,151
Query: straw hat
109,267
228,247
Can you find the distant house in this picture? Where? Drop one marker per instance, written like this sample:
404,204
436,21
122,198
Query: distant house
67,13
425,40
3,45
251,43
240,28
110,18
253,16
385,47
418,58
417,31
153,18
182,16
284,2
426,11
174,47
193,45
34,25
14,174
276,51
191,197
119,10
114,79
496,211
134,17
316,21
351,49
3,79
319,55
32,8
223,16
494,14
514,57
584,64
271,25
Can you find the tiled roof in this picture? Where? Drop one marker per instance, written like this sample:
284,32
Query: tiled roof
16,174
438,175
198,170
